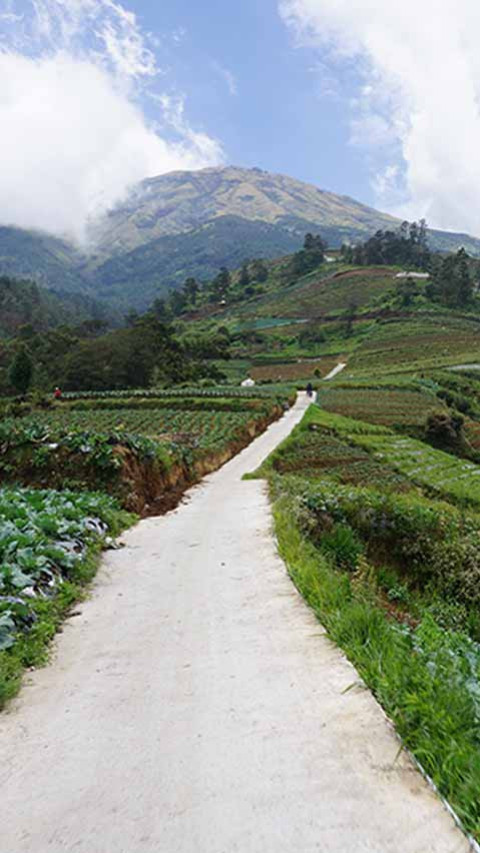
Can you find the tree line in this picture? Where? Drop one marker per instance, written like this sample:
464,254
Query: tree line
407,246
149,351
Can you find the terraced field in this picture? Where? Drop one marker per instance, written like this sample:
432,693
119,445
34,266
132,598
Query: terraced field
289,372
204,430
320,454
420,343
319,295
334,445
446,475
389,407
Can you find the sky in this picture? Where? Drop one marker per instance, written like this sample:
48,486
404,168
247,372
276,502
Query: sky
376,101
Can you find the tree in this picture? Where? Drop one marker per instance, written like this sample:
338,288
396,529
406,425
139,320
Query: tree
451,282
190,290
244,279
408,246
20,374
464,281
349,317
407,291
221,284
177,302
259,270
160,309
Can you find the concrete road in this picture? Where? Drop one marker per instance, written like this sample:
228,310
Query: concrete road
196,706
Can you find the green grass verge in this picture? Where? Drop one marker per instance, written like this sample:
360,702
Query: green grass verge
418,676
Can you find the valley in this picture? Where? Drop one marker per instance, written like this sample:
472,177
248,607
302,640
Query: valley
372,488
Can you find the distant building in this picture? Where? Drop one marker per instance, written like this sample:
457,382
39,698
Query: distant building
423,275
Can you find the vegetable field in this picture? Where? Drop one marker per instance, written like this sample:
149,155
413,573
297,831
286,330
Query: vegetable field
288,372
391,407
48,543
203,430
418,343
135,447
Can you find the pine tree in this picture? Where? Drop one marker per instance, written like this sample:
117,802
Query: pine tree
244,280
190,289
20,374
464,281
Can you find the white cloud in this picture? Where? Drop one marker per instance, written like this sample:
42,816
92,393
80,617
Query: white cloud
227,76
74,136
418,102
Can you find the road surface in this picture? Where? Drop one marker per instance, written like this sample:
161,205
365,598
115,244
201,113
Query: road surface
336,370
196,706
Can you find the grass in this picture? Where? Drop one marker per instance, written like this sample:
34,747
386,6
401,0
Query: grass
415,675
393,575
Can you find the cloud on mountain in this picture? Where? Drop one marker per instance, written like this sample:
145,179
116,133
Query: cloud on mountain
73,78
417,110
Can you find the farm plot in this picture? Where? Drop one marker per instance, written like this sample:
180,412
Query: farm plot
401,407
445,475
419,343
289,372
318,454
316,295
48,541
143,451
202,429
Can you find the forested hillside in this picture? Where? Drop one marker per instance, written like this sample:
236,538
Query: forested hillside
24,303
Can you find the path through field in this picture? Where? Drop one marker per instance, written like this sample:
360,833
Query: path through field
336,370
196,706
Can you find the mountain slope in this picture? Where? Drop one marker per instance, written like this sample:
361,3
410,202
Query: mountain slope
25,303
180,202
136,278
191,223
42,257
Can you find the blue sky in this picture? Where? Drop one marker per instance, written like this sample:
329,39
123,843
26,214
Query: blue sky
273,112
379,101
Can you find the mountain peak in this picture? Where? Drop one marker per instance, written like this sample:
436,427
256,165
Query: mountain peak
178,202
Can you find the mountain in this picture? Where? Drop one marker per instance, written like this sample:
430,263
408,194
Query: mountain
181,202
192,223
152,269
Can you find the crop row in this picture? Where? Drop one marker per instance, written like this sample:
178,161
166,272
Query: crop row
152,393
203,429
381,406
44,537
407,343
446,475
318,454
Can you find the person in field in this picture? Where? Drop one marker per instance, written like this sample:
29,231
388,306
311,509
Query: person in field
57,393
310,390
